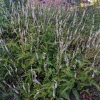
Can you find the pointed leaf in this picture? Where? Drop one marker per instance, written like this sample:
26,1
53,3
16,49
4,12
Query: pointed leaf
76,94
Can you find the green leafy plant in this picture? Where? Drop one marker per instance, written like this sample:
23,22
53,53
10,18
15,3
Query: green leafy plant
47,53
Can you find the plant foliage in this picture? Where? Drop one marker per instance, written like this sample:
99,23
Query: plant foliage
47,53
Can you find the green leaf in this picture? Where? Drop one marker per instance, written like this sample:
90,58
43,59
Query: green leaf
76,94
61,99
67,88
95,84
66,95
48,62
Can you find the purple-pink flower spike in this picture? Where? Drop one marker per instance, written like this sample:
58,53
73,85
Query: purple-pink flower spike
85,1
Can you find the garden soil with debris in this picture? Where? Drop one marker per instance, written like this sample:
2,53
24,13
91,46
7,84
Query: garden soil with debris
93,95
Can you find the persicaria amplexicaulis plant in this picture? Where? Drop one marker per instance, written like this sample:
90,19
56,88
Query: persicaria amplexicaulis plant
48,52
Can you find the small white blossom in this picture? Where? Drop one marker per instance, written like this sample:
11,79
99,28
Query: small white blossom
53,91
6,48
55,85
67,61
34,79
37,56
36,93
18,18
44,55
75,74
93,75
24,87
28,88
60,66
45,66
74,66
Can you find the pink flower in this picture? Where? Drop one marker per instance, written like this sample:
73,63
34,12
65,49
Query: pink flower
47,2
85,1
50,2
58,1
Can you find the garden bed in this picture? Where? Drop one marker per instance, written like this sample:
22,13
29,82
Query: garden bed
49,53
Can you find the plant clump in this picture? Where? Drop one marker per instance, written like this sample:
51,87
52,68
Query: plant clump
47,53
